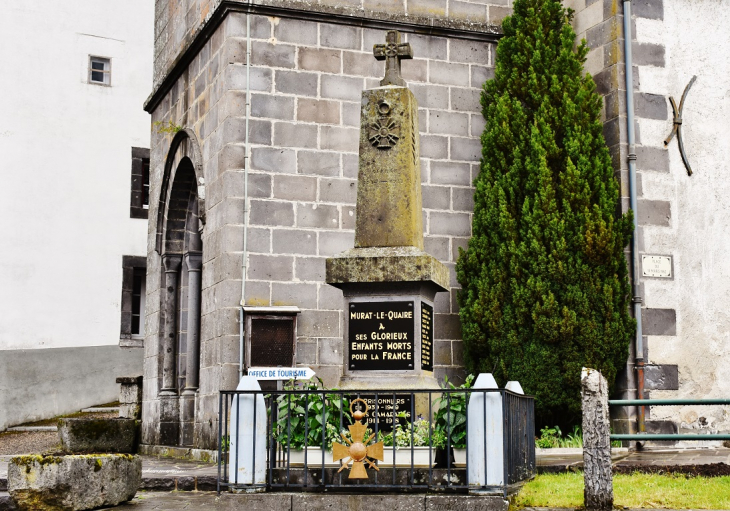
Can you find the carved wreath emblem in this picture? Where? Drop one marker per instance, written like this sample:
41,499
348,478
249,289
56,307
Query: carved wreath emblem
385,132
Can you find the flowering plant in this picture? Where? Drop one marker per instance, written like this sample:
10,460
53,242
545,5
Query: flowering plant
420,433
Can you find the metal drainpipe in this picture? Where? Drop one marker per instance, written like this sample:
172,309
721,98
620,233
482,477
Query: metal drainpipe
639,344
244,259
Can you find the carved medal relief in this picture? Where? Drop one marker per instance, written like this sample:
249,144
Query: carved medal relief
385,132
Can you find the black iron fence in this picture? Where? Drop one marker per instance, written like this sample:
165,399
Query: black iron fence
455,440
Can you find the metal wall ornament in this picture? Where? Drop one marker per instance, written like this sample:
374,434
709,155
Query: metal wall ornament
677,125
358,451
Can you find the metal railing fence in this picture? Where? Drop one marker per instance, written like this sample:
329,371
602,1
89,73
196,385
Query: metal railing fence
667,436
425,434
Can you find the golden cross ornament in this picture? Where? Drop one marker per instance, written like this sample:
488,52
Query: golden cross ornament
358,451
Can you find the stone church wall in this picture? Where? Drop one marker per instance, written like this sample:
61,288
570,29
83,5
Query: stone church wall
306,81
178,22
686,217
684,318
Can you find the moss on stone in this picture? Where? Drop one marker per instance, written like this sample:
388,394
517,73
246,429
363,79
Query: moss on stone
389,211
29,459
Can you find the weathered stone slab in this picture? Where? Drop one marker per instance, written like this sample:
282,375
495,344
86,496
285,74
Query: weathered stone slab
75,482
319,502
98,435
386,264
465,503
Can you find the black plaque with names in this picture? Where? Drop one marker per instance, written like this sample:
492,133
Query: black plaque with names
381,336
426,337
388,410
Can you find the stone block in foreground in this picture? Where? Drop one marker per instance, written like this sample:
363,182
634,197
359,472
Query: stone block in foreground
73,482
98,435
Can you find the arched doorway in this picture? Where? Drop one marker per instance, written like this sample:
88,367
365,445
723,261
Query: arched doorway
179,241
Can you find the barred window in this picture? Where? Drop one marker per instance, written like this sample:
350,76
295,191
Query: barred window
140,193
271,334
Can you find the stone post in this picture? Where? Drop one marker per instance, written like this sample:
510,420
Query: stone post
169,425
247,446
598,492
485,454
130,397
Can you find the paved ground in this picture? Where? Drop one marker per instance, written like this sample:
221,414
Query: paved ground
195,482
679,460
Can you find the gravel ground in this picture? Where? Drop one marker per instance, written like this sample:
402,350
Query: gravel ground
28,442
36,442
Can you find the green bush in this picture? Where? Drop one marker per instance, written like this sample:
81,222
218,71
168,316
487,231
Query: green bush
300,417
421,433
544,278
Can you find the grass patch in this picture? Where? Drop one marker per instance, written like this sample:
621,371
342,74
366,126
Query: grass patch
634,491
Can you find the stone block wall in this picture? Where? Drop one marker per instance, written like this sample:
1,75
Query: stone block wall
306,81
309,67
685,316
681,315
178,23
600,24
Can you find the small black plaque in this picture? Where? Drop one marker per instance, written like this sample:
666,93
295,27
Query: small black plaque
384,415
426,337
381,336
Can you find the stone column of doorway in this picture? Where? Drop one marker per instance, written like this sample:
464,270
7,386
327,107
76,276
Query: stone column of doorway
194,262
169,406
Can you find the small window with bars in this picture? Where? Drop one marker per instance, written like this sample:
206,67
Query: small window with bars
100,70
138,301
134,277
140,192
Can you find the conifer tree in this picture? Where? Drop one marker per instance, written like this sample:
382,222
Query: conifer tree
544,279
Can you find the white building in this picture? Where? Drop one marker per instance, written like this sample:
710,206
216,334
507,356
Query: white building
75,75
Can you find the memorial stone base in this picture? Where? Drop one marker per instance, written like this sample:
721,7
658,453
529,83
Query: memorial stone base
389,298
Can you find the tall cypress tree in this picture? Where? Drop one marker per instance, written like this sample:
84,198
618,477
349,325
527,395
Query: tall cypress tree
544,279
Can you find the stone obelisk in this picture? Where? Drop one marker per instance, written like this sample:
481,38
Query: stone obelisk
389,282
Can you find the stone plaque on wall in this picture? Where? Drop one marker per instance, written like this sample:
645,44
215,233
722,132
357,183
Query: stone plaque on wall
381,336
656,266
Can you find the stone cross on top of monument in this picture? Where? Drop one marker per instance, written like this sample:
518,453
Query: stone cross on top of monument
387,274
392,52
389,212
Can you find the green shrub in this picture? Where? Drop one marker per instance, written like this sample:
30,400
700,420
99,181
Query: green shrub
421,433
301,416
544,278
